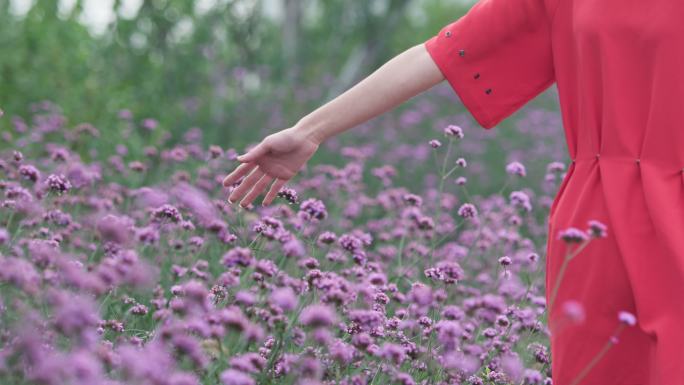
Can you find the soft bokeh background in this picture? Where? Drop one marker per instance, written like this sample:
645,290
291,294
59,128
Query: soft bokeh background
122,263
239,69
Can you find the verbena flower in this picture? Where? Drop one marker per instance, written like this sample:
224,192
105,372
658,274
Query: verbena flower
165,212
314,208
58,184
467,210
290,195
597,229
627,318
318,315
573,235
516,168
453,130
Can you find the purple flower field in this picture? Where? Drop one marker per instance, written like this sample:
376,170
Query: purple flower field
121,269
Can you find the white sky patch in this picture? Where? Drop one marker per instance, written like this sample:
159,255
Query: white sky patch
97,14
204,6
20,7
129,8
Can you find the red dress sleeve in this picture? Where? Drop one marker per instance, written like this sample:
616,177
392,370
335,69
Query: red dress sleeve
496,57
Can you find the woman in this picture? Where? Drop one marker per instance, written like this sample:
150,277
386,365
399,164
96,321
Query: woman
618,68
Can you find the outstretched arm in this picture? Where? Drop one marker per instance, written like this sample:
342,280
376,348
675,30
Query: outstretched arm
402,77
281,155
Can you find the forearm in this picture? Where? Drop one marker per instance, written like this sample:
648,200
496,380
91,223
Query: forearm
402,77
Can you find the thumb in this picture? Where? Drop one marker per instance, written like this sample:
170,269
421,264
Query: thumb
253,154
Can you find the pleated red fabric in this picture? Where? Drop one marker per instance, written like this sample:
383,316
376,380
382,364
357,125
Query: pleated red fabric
619,69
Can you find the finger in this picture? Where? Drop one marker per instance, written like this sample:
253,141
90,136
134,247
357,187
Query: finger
246,184
239,172
256,190
253,154
275,187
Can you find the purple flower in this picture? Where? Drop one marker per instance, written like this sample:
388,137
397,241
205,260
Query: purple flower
461,162
290,195
467,210
314,208
318,315
453,130
237,256
294,247
521,199
460,361
512,366
555,167
448,334
248,363
516,168
532,377
139,309
446,271
627,318
342,352
350,242
393,353
114,229
413,199
150,124
505,261
125,114
327,237
166,211
74,314
4,236
574,311
434,143
59,154
215,151
58,183
420,294
366,319
29,172
572,235
597,229
284,298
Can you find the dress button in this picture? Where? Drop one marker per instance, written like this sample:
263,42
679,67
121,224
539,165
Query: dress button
598,155
638,161
461,52
448,33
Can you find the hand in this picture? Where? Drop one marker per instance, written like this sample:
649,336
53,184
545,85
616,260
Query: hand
278,156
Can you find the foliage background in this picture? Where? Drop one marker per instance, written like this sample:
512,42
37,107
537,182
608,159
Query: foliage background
238,69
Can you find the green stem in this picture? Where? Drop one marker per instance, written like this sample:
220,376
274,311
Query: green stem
439,192
566,260
597,357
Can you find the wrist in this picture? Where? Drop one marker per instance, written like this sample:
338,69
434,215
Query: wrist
311,131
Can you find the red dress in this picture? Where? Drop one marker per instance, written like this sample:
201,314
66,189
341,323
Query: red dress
619,69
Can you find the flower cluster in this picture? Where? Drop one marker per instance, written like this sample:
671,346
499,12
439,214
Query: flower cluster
123,280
